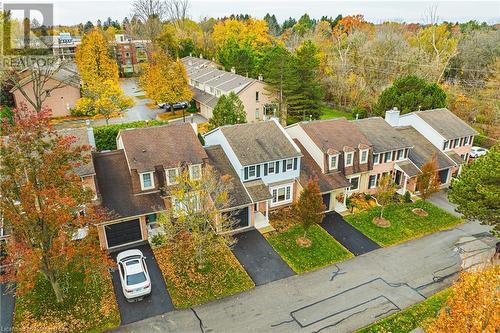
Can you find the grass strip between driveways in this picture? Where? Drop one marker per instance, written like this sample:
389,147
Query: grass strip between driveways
324,249
417,315
405,224
89,306
222,276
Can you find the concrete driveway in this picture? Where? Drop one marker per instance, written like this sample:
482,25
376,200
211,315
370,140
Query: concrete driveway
440,199
159,302
339,298
352,239
259,259
7,302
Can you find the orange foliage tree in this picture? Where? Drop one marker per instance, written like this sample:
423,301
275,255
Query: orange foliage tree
42,203
428,179
309,209
473,305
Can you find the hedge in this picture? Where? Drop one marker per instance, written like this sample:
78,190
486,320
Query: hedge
484,141
105,136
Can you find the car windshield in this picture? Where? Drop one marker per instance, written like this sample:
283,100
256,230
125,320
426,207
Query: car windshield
136,278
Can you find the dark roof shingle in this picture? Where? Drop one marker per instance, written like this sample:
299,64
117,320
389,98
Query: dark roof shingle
258,190
167,146
115,186
446,123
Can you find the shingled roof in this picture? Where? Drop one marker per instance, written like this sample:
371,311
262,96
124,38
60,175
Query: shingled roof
335,134
423,150
115,187
260,142
167,146
217,158
82,139
446,123
382,135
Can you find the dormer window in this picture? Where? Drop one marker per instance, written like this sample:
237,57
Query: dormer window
147,181
334,162
400,154
349,159
289,164
195,171
171,175
363,156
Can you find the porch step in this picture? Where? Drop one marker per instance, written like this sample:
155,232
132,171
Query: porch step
266,229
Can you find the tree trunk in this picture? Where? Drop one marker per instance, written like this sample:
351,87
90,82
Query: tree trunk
49,274
172,109
382,212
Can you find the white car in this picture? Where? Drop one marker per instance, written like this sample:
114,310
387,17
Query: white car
478,151
134,275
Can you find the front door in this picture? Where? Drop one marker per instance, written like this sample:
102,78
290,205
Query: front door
398,177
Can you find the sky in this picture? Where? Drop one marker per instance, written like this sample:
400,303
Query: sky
76,11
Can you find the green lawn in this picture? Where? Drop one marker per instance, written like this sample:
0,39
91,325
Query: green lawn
405,225
324,249
327,113
88,306
407,320
222,276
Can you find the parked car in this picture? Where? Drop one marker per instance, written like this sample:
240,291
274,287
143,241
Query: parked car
175,106
478,151
134,275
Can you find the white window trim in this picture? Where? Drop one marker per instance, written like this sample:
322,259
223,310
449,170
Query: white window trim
255,172
392,157
273,164
377,160
361,154
193,166
291,165
369,183
336,166
402,155
283,202
142,180
352,159
176,175
355,189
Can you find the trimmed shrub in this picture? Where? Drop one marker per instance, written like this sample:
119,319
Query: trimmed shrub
407,197
105,136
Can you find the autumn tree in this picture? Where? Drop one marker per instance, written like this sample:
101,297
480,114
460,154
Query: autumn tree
229,110
477,190
385,192
197,199
165,80
309,209
42,203
473,304
101,92
428,178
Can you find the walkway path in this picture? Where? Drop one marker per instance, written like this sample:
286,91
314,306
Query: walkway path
339,298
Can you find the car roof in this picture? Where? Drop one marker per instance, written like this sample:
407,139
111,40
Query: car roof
134,268
128,253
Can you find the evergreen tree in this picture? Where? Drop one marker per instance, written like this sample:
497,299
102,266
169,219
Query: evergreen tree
411,93
272,23
229,110
240,57
303,90
88,27
304,24
289,23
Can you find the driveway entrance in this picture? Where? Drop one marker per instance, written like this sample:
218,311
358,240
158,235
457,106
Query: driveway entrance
158,302
259,259
353,239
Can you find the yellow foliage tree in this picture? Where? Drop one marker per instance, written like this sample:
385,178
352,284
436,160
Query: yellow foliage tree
256,32
165,80
473,305
99,72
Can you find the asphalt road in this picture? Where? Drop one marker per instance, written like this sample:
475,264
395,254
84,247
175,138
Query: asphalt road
157,303
353,240
7,301
339,298
259,258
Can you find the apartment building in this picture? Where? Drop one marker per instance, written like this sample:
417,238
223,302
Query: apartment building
130,54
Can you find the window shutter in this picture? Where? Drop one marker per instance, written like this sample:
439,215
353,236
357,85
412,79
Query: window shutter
258,171
246,173
277,167
265,169
284,165
295,163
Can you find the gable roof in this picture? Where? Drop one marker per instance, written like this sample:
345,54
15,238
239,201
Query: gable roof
259,142
423,150
382,135
334,134
217,158
446,123
115,187
167,146
67,74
